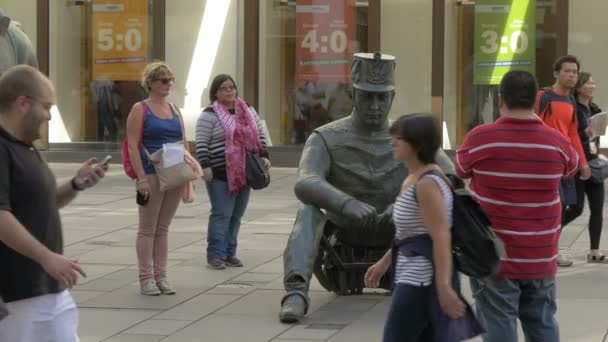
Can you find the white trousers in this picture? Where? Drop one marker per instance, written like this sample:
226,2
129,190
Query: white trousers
48,318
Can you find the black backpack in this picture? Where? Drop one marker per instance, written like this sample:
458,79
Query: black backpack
475,247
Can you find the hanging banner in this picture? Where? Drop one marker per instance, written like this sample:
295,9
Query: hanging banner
505,38
325,33
119,39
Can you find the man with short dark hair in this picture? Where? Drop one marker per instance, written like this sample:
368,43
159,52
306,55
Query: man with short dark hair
35,274
515,166
556,106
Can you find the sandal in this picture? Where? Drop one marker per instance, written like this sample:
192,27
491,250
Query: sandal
602,259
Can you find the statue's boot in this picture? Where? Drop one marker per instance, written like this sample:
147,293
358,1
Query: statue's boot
293,308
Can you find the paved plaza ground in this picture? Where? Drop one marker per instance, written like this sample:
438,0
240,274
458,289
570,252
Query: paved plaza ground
242,304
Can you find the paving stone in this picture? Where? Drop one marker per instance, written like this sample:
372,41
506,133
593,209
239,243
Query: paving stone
105,285
114,321
267,302
230,328
252,277
72,236
368,326
158,327
229,288
110,255
135,338
83,296
95,272
352,303
309,332
198,307
129,297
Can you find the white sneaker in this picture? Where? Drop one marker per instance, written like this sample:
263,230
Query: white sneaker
563,261
165,287
149,288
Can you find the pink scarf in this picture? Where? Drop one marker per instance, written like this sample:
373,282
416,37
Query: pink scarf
242,135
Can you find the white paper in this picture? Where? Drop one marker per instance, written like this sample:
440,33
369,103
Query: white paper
173,154
597,123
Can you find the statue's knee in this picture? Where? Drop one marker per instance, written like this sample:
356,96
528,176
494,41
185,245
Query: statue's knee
309,216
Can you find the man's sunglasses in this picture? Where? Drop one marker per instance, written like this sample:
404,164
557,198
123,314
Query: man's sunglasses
165,80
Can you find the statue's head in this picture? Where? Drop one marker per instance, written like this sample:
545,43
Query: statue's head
373,88
4,22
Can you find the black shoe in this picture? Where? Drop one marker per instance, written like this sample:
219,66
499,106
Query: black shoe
292,309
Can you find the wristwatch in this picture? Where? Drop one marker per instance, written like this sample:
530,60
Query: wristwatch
75,186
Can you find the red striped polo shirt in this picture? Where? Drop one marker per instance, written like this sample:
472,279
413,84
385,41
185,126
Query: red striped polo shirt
515,166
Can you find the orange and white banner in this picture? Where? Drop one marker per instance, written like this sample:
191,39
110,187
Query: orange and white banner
325,40
120,39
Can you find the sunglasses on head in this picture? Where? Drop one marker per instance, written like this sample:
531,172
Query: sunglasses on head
165,80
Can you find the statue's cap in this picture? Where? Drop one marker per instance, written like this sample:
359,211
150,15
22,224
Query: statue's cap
373,72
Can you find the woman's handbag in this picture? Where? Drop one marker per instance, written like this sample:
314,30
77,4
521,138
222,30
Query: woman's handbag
172,176
256,172
599,169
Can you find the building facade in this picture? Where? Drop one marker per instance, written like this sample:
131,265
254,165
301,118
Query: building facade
290,58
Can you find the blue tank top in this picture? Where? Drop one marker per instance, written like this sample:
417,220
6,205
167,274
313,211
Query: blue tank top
157,132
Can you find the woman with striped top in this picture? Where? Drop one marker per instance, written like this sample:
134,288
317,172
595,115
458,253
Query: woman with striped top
224,132
423,207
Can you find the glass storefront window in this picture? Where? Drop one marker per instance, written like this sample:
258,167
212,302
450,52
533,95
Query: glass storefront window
531,39
97,52
306,50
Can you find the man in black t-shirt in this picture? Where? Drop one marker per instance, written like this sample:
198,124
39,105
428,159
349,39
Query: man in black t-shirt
34,274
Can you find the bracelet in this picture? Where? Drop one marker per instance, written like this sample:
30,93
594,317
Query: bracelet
75,186
143,180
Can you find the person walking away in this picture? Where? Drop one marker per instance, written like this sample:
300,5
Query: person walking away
515,165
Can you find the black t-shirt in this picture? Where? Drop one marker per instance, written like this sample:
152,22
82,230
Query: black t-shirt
28,190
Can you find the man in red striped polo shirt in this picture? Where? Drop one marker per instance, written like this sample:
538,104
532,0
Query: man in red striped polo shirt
515,166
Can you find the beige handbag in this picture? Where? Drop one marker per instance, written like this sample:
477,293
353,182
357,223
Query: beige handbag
173,176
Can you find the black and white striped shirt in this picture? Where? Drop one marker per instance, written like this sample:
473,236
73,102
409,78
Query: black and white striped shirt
417,270
210,141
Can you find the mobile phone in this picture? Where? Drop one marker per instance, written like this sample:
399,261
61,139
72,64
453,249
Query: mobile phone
141,199
104,163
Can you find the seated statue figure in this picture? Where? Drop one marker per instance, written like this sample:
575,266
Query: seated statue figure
15,47
347,181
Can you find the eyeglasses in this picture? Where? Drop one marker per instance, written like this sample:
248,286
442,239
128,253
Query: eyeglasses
165,80
226,89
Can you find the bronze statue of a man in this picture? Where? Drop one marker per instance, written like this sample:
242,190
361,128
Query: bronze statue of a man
15,47
347,180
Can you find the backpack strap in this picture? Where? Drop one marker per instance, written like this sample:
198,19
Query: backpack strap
544,106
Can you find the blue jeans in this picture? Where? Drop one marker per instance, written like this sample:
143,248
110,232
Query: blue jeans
500,302
225,219
409,316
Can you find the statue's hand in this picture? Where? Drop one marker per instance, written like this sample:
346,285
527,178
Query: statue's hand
361,213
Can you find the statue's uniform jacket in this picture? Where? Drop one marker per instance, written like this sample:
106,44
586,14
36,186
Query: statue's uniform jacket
339,164
15,46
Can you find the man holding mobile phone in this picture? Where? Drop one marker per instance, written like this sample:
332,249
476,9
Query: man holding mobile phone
35,274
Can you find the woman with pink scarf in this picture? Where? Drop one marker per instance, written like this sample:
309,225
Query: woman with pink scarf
225,131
